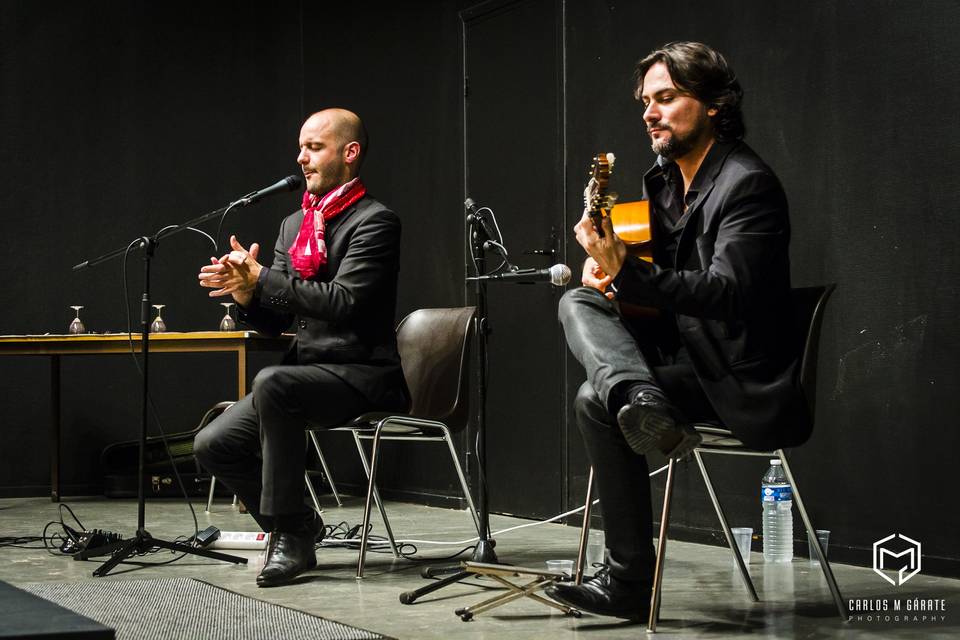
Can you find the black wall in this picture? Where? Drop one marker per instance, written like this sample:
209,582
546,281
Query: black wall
117,119
120,118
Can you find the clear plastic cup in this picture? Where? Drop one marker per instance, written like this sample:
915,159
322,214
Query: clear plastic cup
595,551
742,536
823,535
564,566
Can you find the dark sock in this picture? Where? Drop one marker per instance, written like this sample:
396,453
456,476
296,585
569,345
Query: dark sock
265,522
299,524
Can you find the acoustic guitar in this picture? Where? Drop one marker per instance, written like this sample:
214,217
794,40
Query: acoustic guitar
630,220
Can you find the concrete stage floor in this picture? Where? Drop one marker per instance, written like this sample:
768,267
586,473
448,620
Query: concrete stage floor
703,597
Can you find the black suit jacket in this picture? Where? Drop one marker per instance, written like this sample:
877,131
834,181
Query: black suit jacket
344,315
729,288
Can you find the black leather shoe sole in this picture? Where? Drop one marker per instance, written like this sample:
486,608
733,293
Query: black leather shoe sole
644,426
688,440
647,428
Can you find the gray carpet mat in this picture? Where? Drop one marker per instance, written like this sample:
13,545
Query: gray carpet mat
174,608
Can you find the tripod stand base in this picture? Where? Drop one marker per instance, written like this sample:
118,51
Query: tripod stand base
141,544
484,553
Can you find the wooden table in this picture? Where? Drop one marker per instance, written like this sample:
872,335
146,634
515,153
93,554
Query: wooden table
240,342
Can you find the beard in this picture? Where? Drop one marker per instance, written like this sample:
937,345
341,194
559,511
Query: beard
673,147
677,146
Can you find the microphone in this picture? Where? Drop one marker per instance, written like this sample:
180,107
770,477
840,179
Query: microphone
482,228
470,206
287,184
474,215
558,275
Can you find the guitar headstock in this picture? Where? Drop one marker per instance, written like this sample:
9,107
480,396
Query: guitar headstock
595,196
596,199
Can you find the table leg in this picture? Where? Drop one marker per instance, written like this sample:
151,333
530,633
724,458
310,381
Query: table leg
55,428
241,392
241,372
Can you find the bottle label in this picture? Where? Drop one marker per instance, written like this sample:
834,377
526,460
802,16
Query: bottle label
776,494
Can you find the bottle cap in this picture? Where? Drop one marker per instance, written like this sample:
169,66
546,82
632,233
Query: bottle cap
776,461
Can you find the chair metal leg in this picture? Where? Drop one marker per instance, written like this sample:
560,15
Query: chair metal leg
326,469
371,489
213,484
376,495
812,533
741,565
661,552
463,479
313,492
584,531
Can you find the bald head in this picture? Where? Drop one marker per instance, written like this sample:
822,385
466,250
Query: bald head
333,143
345,126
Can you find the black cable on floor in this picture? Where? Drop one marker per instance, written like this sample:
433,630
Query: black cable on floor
343,536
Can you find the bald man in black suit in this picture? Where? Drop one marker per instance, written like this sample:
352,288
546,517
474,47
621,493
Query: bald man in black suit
334,279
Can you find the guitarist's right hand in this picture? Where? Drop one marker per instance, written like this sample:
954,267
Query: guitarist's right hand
594,277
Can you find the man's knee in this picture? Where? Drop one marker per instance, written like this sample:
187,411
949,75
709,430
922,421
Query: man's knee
589,408
204,447
216,442
270,384
576,298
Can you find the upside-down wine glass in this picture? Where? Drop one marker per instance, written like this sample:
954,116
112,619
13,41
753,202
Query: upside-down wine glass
158,325
76,325
227,323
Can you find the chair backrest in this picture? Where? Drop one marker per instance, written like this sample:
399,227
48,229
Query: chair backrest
809,304
433,345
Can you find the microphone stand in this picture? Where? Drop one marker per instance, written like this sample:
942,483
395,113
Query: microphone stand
143,542
484,551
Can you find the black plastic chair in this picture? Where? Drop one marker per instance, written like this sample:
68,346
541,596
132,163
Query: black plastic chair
810,303
433,345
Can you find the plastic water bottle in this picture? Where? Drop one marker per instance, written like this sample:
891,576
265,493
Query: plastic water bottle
776,496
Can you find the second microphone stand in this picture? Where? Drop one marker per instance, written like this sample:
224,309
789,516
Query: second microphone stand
480,238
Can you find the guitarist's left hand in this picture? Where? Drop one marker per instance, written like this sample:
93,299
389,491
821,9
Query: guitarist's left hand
609,251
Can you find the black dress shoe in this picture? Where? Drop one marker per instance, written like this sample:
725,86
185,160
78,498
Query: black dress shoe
605,596
649,422
290,554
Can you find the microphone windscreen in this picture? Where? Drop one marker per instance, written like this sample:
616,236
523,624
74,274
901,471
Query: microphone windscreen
559,275
293,181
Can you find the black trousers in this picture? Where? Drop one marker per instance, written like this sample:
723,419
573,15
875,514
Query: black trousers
258,446
613,352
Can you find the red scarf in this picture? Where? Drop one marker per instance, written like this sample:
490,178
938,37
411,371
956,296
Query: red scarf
309,251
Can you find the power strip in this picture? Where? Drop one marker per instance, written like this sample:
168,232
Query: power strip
240,540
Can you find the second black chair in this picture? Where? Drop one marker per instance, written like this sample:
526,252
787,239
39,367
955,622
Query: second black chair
433,345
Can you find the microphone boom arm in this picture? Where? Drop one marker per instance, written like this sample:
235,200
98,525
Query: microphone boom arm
289,183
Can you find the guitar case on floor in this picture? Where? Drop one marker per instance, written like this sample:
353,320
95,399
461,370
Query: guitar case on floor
119,462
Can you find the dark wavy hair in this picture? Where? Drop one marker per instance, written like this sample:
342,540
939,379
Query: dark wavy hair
704,73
